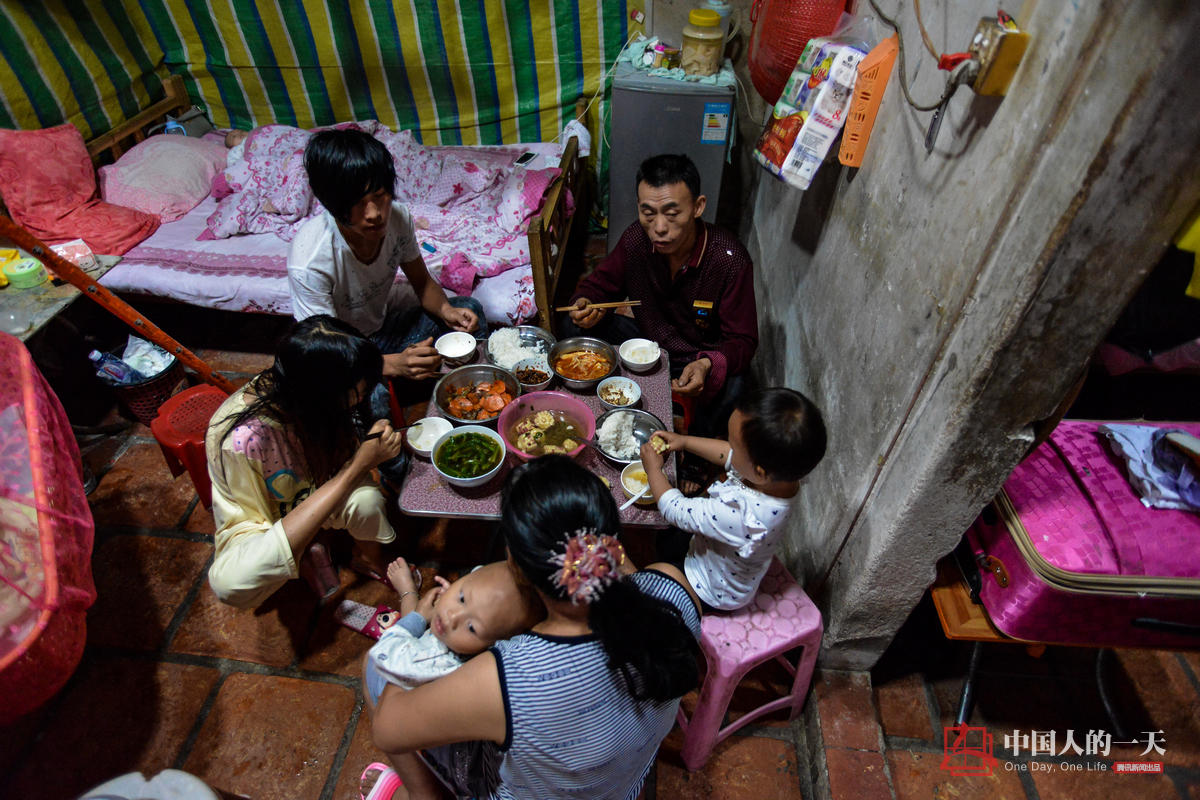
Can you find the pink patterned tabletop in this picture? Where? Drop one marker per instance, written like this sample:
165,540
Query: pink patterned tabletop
426,494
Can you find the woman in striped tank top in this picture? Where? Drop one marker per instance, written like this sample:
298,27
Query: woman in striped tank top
577,707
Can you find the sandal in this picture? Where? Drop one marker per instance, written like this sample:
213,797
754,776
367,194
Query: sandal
318,571
370,621
369,572
385,785
694,477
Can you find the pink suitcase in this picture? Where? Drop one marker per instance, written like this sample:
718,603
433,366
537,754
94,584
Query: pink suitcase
1068,553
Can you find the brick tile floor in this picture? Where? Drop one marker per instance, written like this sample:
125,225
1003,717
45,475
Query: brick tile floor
268,704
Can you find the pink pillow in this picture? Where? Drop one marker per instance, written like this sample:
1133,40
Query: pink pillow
167,175
522,196
49,185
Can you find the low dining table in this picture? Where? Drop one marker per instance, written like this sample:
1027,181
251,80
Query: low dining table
428,494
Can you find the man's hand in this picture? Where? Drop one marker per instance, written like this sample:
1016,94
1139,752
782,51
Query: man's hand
584,315
459,319
691,381
416,362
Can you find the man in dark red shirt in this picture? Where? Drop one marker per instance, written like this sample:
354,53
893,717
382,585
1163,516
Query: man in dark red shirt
696,286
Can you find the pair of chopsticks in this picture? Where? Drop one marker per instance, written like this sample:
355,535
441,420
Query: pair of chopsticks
379,434
618,304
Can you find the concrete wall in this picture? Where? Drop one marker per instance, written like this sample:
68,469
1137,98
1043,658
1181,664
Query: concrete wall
937,305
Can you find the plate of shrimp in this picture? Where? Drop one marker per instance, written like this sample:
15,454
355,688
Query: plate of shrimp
476,393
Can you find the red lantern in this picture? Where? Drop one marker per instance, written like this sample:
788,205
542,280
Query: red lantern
781,30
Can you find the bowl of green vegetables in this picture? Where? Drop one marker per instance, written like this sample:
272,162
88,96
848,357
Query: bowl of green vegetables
469,455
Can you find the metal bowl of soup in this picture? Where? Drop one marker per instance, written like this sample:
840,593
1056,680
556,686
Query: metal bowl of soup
582,362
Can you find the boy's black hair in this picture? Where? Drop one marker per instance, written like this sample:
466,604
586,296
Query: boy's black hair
668,168
344,166
783,431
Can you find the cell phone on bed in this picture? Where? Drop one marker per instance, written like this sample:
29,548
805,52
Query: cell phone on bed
525,158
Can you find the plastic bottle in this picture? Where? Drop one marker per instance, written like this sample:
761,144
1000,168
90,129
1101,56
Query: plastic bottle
703,42
114,369
724,9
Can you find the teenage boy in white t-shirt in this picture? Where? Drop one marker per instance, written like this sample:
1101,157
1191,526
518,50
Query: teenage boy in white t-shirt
344,262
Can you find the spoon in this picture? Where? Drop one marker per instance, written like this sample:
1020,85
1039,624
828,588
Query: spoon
630,502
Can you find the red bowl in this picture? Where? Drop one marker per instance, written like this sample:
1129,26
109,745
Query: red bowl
526,404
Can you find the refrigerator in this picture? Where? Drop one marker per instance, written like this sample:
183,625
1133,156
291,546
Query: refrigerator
651,115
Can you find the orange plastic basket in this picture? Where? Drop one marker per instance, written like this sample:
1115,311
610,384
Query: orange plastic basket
873,74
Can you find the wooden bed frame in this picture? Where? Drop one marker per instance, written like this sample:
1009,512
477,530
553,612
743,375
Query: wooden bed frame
549,232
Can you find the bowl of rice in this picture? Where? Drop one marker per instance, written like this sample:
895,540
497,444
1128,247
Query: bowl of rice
508,346
620,433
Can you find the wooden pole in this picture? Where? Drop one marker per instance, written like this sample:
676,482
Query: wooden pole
113,304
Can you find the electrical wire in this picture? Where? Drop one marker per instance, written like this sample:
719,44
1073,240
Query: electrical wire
924,33
603,86
950,85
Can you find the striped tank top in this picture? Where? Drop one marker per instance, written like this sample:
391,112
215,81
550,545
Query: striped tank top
573,729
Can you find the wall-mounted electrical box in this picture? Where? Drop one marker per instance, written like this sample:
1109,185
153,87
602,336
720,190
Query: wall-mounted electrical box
998,48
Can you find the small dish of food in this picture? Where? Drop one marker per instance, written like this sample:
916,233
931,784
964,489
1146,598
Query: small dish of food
469,456
423,435
640,355
533,374
618,392
582,362
456,348
636,484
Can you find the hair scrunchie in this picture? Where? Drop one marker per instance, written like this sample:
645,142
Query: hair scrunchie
588,564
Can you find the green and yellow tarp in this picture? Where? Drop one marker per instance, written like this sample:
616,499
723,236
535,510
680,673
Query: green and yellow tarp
451,71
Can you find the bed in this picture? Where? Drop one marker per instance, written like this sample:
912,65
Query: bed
487,227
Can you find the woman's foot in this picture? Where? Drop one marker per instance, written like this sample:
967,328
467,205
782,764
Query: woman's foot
367,559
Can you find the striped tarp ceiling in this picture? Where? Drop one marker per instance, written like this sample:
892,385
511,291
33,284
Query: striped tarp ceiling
481,72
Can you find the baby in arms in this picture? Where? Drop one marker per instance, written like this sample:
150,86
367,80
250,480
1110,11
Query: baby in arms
453,621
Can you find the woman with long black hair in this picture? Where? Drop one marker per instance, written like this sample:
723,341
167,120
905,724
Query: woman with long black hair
579,705
286,460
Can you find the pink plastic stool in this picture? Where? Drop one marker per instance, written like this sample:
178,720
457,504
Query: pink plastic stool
180,427
780,618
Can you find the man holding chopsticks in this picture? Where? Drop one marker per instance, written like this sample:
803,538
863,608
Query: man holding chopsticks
692,290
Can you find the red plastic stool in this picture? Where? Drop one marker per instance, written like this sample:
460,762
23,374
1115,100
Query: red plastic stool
779,619
180,427
687,405
394,404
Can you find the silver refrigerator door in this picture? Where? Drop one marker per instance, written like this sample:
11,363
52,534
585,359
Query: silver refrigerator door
652,115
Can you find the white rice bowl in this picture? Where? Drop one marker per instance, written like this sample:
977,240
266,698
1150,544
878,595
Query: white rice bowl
506,348
616,437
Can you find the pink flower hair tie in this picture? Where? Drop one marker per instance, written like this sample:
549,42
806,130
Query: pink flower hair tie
588,564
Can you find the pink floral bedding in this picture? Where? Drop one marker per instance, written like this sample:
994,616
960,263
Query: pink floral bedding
471,205
249,273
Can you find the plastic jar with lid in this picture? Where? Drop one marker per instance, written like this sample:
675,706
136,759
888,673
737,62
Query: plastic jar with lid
703,43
